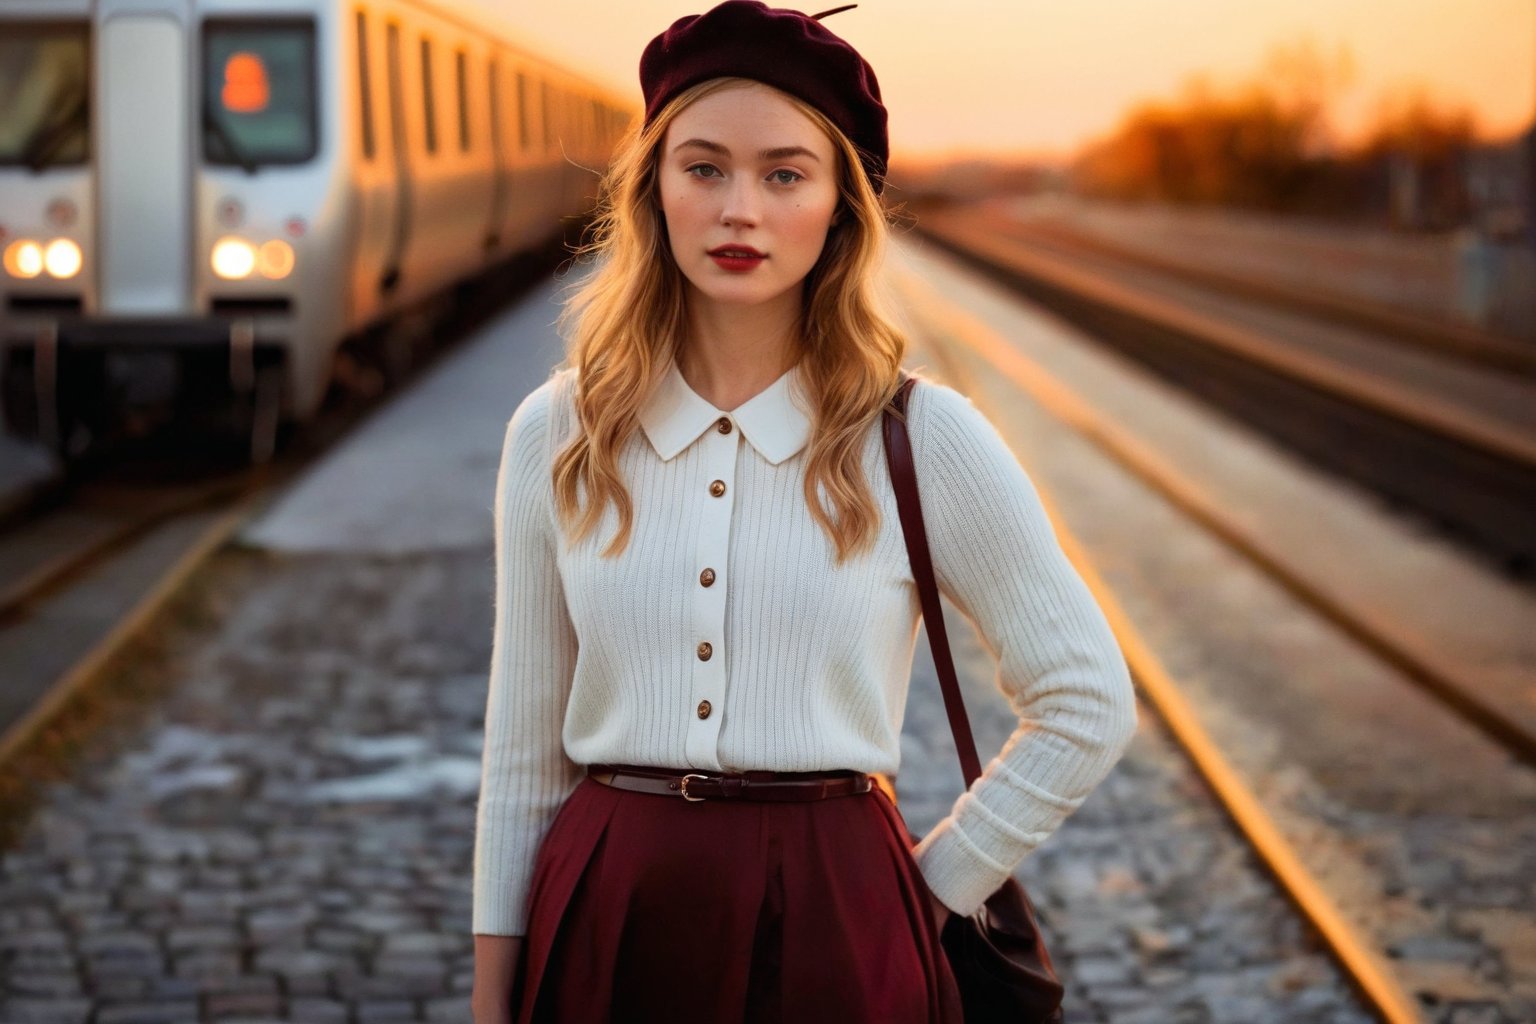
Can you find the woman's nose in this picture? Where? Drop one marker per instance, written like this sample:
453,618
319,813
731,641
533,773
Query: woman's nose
741,202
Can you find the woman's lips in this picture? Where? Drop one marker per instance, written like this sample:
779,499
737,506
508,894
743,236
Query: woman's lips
736,262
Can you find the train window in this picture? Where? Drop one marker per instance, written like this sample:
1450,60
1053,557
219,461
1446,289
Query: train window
522,112
549,134
259,103
44,94
397,137
426,94
364,86
461,70
493,90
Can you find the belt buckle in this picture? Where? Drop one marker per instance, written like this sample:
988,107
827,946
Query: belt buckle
684,784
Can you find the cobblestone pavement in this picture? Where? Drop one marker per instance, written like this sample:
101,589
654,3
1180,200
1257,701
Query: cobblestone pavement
285,833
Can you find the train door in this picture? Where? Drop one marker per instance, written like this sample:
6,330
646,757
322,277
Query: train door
143,169
401,156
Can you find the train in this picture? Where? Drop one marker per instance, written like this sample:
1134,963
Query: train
208,198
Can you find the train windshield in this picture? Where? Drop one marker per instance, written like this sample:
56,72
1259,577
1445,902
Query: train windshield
259,104
44,95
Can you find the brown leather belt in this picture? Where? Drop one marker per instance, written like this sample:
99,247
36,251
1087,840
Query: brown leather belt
696,785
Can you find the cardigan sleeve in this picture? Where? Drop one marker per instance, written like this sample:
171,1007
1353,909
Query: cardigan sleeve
996,557
525,773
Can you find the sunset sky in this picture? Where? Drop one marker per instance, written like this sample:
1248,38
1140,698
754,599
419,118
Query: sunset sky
1043,78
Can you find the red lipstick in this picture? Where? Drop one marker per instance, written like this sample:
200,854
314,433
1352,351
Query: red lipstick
736,258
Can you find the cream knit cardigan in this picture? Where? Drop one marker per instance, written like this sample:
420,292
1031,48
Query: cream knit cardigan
783,661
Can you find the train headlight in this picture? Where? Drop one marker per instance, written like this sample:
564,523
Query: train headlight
24,258
233,258
62,258
275,259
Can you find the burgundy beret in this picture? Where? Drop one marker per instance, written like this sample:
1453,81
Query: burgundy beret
786,49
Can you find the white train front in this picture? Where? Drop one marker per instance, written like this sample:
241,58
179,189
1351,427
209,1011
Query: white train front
225,191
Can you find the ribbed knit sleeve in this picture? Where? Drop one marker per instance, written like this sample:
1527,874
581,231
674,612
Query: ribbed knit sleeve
525,775
997,558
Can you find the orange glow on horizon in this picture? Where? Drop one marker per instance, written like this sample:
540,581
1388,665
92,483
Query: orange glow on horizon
988,78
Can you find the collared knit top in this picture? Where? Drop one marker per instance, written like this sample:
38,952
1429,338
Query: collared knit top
725,638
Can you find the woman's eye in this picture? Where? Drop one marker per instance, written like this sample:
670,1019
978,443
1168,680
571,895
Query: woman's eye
793,176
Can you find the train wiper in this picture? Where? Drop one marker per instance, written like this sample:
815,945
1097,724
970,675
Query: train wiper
212,122
45,143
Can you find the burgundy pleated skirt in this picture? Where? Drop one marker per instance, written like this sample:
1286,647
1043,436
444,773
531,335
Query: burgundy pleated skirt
646,907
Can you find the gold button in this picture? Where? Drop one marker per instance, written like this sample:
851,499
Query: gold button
705,650
707,577
704,708
717,488
723,425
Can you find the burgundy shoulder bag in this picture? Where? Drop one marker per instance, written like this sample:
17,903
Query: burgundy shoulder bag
997,954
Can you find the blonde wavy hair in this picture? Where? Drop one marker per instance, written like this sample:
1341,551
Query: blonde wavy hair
626,320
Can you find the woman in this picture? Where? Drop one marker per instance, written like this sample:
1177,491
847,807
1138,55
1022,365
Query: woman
705,616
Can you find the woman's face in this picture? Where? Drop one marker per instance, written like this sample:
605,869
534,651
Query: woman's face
744,167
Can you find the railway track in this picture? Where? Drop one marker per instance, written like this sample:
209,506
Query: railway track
1505,713
42,555
1349,933
1466,463
86,581
1450,340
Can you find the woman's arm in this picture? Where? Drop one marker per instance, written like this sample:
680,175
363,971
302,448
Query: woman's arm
495,991
996,557
525,775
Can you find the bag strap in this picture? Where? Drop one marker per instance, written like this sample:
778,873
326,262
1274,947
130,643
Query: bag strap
898,456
